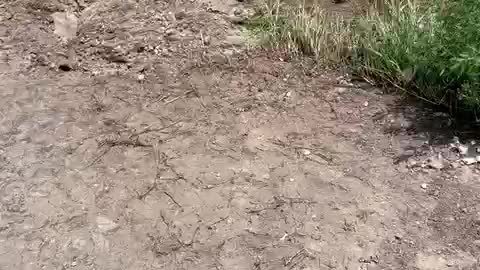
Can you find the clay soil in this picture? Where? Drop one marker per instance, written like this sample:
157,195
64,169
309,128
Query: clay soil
155,139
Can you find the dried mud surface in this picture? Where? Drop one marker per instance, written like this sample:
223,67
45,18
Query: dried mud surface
155,140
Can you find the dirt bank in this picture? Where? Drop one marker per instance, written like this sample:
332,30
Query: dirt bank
153,139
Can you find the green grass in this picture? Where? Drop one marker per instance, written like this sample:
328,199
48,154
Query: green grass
431,51
300,31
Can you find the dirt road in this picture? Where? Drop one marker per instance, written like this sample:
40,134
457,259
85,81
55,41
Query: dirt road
153,139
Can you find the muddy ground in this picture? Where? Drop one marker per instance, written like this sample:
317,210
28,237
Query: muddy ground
154,139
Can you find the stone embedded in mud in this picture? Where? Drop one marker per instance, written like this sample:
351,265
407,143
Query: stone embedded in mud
180,15
436,162
340,90
235,19
237,11
172,35
218,58
234,40
206,40
105,225
66,25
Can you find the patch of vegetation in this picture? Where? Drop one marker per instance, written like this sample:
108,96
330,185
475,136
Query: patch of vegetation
303,31
431,51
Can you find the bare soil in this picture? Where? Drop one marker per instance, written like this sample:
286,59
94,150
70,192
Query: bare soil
155,140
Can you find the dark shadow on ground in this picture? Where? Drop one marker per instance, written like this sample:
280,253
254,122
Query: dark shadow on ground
432,122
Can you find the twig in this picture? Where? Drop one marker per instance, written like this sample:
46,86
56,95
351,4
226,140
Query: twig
197,94
332,109
126,142
165,220
256,233
100,156
290,260
288,200
179,97
112,143
149,129
173,200
344,85
183,244
218,221
145,194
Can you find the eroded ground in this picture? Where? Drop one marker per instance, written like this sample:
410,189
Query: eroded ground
154,140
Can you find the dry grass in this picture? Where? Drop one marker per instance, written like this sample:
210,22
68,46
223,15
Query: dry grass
301,30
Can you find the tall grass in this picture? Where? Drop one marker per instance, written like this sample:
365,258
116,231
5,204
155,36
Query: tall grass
433,52
430,49
302,30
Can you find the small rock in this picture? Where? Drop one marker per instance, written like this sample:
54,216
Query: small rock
206,40
424,186
238,12
235,19
42,60
365,104
455,165
141,77
283,237
436,162
462,149
340,90
6,16
470,160
66,24
306,152
218,58
180,15
117,58
105,225
228,53
411,163
342,80
172,35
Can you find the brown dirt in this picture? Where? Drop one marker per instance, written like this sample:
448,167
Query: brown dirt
130,148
